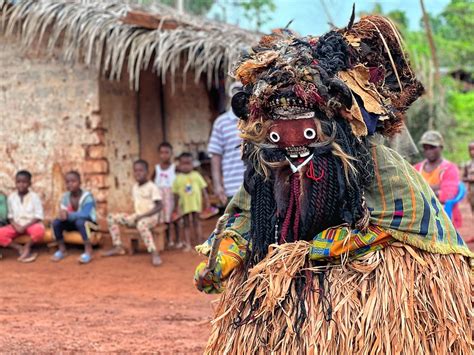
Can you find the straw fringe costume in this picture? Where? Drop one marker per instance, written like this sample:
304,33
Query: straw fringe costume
334,244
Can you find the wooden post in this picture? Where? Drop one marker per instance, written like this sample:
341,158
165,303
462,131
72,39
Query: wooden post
429,35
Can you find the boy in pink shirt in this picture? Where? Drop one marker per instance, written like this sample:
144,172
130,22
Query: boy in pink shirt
25,214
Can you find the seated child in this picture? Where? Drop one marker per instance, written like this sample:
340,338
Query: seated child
77,212
189,190
163,176
147,204
3,210
25,215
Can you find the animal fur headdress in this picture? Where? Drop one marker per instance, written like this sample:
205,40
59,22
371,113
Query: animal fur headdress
359,73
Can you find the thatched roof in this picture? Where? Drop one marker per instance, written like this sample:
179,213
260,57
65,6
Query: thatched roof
109,34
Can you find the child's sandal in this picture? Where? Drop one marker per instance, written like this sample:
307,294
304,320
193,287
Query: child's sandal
85,258
58,256
28,259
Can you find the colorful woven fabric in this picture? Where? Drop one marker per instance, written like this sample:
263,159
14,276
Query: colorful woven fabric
400,202
232,251
341,240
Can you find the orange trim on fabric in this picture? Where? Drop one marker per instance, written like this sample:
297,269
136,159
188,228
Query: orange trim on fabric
355,242
229,260
226,243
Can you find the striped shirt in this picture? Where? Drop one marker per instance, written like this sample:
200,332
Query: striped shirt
225,141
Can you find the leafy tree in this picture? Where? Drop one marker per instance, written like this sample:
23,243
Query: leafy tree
197,7
400,18
257,11
458,21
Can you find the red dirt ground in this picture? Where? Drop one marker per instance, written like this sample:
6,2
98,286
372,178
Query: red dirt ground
119,304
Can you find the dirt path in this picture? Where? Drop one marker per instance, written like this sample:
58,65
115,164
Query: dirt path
112,305
118,304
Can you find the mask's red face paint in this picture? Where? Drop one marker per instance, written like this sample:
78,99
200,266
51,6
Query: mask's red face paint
293,135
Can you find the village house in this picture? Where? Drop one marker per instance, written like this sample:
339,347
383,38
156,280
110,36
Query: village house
94,85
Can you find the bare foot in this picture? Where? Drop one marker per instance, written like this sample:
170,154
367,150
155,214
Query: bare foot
118,250
187,248
17,247
28,258
25,253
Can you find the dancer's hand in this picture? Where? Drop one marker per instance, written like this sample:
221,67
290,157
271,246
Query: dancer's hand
207,281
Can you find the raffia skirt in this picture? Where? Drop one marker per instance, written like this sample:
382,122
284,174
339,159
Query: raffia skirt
395,300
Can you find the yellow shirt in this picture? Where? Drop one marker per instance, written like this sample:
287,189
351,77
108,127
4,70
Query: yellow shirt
189,189
145,196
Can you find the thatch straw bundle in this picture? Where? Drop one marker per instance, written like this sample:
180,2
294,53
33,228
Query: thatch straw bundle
94,32
396,300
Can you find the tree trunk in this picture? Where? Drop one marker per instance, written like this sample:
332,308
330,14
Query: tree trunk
431,42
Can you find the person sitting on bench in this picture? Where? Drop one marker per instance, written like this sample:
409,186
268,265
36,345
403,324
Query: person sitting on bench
77,212
147,202
25,215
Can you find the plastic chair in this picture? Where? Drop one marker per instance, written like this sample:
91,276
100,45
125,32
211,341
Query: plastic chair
449,205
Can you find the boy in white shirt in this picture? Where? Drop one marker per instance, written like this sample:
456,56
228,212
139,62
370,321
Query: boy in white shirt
25,215
147,205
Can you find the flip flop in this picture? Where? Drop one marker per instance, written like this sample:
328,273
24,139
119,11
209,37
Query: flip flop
85,258
156,260
58,256
29,259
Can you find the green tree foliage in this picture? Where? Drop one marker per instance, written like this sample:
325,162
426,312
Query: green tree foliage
196,7
457,30
445,106
400,19
257,11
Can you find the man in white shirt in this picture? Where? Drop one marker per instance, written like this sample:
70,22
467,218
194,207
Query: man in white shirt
224,147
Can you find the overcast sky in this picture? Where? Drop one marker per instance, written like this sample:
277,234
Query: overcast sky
309,16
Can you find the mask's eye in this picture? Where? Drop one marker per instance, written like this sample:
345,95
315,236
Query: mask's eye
309,133
275,137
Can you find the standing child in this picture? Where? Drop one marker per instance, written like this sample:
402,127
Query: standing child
189,190
25,215
164,176
77,213
147,204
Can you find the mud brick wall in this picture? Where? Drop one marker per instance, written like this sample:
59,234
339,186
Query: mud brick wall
50,123
189,116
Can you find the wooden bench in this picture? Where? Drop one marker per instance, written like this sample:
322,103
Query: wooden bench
132,239
69,237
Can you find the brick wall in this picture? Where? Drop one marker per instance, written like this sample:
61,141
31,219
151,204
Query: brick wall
189,116
49,123
54,118
118,112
